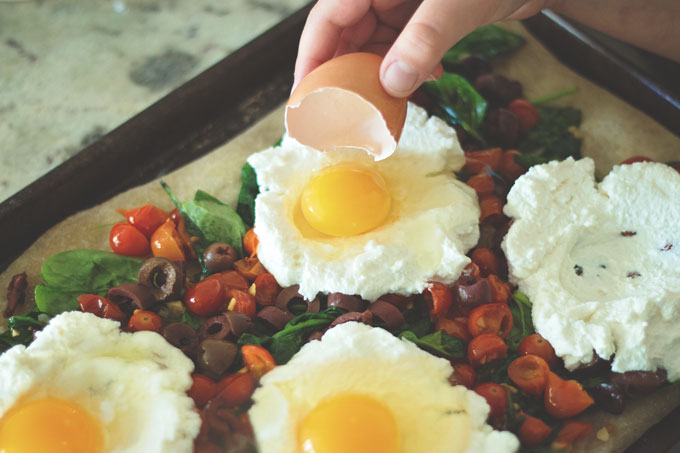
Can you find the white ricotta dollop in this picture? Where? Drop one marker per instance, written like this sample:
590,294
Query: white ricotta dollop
431,225
600,262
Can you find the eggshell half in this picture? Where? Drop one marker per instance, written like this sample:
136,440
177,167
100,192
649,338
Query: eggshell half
342,104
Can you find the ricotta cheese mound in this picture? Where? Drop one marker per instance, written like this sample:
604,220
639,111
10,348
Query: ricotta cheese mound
432,223
600,261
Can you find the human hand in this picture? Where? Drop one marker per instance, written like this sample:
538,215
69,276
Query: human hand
412,35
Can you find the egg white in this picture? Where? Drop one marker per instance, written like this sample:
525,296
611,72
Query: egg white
134,385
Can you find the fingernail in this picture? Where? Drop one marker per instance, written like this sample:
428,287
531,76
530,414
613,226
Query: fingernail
431,78
400,77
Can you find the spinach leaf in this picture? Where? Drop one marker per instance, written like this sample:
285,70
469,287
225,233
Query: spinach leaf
438,343
520,307
20,329
458,103
553,137
247,195
69,274
418,320
487,41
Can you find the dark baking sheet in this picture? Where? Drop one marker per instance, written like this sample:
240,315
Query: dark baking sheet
238,91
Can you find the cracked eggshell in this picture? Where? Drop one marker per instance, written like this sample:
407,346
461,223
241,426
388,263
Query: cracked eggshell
341,104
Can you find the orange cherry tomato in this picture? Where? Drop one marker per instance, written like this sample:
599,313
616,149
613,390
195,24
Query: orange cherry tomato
490,318
564,399
439,298
127,240
202,390
145,320
250,242
496,396
533,431
146,218
482,183
492,209
231,280
236,389
486,348
167,243
463,374
500,290
250,268
258,360
266,289
525,112
478,161
242,302
634,159
456,327
206,297
537,345
100,306
486,260
510,169
187,240
572,431
529,373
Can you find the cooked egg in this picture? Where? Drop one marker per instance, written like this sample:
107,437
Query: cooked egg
362,390
339,221
84,386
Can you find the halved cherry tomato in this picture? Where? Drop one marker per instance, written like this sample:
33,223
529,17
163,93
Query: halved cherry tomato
146,218
242,302
537,345
478,161
231,280
495,395
572,431
250,242
266,289
634,159
482,183
439,298
145,320
202,390
533,431
167,243
492,209
100,306
529,373
463,374
525,112
250,268
456,327
187,240
486,260
510,169
236,389
564,399
258,360
500,290
490,318
486,348
206,297
127,240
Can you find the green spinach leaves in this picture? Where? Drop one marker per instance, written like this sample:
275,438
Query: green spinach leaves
553,137
438,343
247,195
487,41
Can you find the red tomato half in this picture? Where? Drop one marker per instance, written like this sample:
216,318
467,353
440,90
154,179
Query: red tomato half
439,298
529,373
236,389
486,348
250,242
496,396
490,318
145,320
463,374
564,399
127,240
258,360
242,302
537,345
572,431
145,218
250,268
486,260
533,431
202,390
167,243
525,112
456,327
206,297
266,289
231,280
634,159
100,306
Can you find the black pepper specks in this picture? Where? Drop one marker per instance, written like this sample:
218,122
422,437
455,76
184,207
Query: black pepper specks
578,270
628,234
667,248
633,274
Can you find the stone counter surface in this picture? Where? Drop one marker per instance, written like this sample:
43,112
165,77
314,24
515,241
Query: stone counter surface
72,70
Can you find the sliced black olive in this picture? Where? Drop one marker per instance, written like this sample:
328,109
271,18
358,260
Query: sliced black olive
239,323
134,294
216,328
473,295
182,336
609,397
365,317
503,127
346,302
290,300
219,256
215,357
164,277
390,314
639,381
275,316
399,301
499,91
473,66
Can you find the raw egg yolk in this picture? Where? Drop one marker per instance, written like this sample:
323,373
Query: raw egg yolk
49,425
345,200
349,423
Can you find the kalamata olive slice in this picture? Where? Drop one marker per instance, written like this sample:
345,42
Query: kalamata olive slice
473,66
290,295
219,256
215,357
365,317
473,295
389,314
399,301
182,336
639,381
498,90
164,277
275,316
216,328
346,302
469,275
503,127
609,397
239,323
134,294
15,293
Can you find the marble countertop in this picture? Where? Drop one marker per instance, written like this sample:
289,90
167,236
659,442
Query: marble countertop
71,71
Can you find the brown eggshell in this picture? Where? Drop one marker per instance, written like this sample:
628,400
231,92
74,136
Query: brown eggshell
342,104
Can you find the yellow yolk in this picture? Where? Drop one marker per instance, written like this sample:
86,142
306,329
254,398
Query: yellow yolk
346,200
349,423
49,425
